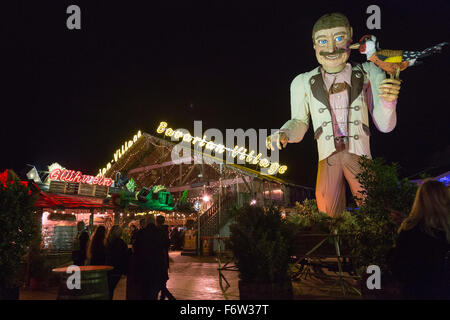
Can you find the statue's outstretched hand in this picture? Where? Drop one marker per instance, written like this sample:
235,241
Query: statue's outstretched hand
280,138
389,89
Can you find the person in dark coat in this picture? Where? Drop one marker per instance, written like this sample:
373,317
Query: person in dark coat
148,260
117,255
80,244
133,285
133,233
420,260
176,238
173,238
132,291
165,244
181,238
96,250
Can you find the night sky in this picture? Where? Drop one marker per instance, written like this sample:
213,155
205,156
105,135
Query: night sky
74,96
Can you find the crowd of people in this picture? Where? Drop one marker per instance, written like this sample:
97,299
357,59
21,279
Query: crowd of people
145,263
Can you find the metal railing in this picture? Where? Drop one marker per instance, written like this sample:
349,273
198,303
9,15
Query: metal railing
211,221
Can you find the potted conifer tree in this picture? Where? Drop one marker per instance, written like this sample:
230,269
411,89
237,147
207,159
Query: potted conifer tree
387,199
17,228
260,241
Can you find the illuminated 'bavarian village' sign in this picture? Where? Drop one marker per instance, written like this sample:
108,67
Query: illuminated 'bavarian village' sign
78,177
120,153
250,157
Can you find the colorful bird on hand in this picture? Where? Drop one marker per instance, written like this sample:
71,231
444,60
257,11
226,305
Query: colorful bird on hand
392,61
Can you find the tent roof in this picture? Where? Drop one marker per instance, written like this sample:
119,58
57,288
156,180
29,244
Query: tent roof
152,154
51,200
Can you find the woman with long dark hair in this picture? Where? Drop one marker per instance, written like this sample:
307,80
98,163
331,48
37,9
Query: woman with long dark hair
96,250
421,258
117,255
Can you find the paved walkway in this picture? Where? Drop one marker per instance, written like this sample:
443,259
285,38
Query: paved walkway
197,278
191,278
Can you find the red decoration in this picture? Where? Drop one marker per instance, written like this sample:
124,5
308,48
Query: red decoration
4,180
4,177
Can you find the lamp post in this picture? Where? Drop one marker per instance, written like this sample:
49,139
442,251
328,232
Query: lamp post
205,199
198,233
220,200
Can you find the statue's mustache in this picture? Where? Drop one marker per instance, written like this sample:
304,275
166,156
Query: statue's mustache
337,51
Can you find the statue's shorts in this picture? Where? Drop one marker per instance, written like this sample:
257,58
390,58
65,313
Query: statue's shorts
330,187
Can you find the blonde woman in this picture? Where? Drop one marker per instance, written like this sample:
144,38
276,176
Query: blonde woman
421,258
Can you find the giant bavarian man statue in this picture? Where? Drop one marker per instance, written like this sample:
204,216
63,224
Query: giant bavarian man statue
339,97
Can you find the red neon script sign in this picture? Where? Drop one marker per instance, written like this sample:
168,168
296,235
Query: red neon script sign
76,176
